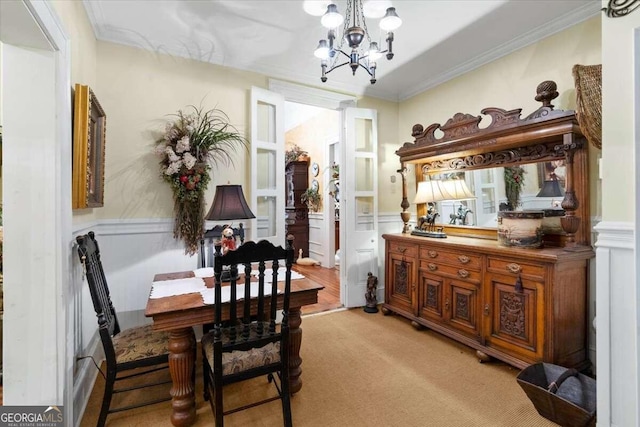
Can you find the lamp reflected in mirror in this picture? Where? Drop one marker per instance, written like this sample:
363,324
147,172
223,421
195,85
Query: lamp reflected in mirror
551,222
551,188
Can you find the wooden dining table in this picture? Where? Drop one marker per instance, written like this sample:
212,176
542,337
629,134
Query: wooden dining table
180,313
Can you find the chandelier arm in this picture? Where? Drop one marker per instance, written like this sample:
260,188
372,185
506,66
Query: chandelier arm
336,66
366,68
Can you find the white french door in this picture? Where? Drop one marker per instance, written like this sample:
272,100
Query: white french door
358,204
267,166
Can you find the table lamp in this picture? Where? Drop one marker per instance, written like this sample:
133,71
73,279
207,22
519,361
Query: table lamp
429,192
228,204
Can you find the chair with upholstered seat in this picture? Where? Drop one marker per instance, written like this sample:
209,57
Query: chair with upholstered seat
131,349
250,343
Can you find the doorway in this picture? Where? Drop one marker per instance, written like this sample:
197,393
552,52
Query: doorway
315,130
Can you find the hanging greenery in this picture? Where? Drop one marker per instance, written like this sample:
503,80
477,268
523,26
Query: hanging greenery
312,198
190,146
513,183
294,153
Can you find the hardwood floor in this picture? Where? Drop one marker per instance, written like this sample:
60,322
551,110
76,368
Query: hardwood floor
329,297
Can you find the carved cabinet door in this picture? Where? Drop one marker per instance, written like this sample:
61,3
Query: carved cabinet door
513,313
431,297
462,307
401,281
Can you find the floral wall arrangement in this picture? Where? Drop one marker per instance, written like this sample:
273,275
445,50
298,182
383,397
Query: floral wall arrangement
192,144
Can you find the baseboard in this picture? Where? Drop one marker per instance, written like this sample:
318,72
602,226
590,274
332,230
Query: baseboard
85,378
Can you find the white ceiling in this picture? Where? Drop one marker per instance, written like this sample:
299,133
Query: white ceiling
437,41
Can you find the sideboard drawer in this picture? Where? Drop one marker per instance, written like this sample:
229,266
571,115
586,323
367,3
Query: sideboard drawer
509,266
451,271
458,259
403,249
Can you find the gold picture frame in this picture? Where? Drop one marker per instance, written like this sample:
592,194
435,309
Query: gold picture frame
89,131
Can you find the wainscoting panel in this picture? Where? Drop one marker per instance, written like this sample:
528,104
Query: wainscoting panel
616,325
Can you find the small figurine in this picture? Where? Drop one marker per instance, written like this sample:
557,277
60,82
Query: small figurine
228,240
305,260
372,301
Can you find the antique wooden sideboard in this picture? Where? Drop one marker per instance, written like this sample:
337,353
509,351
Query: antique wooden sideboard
518,305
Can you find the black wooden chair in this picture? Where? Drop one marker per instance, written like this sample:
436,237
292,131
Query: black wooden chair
248,345
138,348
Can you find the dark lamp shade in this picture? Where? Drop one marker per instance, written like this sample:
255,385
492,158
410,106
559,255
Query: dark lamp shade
551,189
229,204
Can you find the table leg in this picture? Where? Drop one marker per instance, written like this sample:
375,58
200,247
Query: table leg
182,360
295,341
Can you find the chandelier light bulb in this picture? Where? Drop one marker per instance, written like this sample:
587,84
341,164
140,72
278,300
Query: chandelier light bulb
391,20
322,51
375,9
315,7
374,52
332,18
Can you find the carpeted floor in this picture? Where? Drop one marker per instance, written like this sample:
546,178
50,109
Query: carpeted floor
364,369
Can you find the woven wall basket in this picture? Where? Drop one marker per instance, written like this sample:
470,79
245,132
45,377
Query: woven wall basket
588,81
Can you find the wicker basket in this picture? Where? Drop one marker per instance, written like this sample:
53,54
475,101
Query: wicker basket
588,81
561,395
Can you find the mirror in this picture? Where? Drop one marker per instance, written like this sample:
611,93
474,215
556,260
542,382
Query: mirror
488,185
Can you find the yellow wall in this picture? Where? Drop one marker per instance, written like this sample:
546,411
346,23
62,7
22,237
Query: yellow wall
510,82
139,90
619,117
83,63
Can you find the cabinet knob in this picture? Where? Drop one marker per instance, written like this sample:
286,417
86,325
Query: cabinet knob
432,254
486,309
514,268
446,304
432,267
464,259
463,273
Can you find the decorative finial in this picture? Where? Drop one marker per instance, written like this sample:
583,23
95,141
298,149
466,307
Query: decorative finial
546,92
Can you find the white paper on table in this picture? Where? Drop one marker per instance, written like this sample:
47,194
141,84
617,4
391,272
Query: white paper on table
203,272
281,274
209,297
167,288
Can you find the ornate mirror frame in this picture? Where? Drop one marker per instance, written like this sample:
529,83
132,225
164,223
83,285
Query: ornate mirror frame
544,135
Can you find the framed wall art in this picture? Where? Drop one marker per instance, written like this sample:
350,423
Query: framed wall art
89,131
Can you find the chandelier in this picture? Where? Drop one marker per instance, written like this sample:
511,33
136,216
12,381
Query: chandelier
354,32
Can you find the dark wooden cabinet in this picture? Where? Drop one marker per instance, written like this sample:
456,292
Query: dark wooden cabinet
296,212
